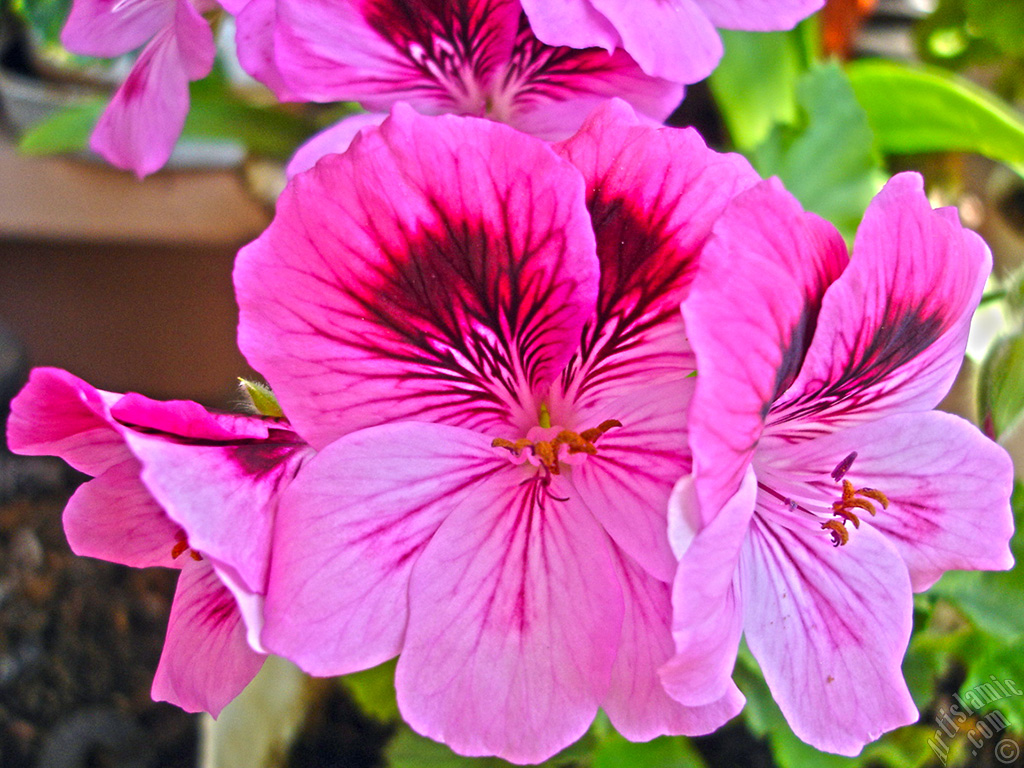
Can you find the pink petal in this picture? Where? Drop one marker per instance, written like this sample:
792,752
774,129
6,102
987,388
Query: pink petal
425,274
575,23
58,414
672,39
114,518
333,140
223,496
626,486
142,123
829,627
548,92
777,262
434,56
637,703
256,24
515,616
349,531
758,15
948,488
892,331
112,27
206,661
707,603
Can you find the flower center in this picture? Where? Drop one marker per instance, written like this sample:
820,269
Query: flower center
181,546
547,452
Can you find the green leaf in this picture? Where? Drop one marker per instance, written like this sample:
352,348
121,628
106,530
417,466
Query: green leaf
65,131
1001,390
754,84
1001,21
374,690
913,109
995,680
828,161
268,131
665,752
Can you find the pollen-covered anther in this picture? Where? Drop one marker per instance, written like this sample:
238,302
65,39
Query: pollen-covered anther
853,498
180,546
547,450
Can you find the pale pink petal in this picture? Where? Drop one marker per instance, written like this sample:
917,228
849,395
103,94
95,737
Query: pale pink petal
893,329
349,531
435,56
206,661
256,25
672,39
626,486
549,92
829,627
777,262
758,15
142,123
637,703
707,603
223,496
111,27
948,488
58,414
440,270
575,23
115,518
515,615
330,141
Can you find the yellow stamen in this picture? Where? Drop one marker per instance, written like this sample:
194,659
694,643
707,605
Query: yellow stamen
547,450
853,498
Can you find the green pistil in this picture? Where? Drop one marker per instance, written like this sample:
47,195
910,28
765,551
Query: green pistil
545,417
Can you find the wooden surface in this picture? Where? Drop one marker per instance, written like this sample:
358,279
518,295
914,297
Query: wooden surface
125,283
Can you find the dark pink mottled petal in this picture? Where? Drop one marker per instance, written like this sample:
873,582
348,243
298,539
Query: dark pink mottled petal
186,419
349,531
515,615
653,195
440,270
892,330
637,703
829,627
434,54
206,661
777,262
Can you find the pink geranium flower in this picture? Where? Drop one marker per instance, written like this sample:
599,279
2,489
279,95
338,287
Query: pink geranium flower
482,335
141,124
825,490
674,39
470,57
177,486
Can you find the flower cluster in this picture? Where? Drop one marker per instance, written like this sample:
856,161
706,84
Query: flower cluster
556,424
